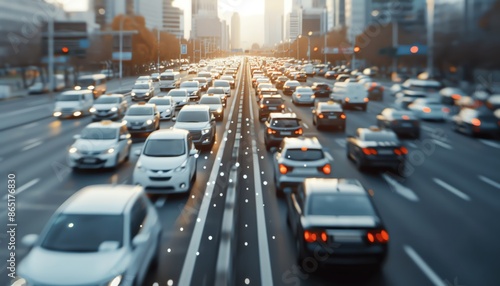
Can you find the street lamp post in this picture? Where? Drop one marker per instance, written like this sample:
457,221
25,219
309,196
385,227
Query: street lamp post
289,42
309,45
324,50
298,46
121,49
430,37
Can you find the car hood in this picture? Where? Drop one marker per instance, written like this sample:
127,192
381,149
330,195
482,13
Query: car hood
140,90
140,118
190,89
65,268
93,145
163,107
162,163
322,221
214,106
105,106
67,104
178,99
191,125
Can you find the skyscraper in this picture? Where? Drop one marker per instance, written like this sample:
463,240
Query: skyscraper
173,19
235,31
273,21
357,17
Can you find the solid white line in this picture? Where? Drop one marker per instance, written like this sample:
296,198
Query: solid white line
489,181
400,189
490,143
305,125
31,146
266,276
160,202
194,244
25,110
451,189
24,187
423,266
442,144
33,124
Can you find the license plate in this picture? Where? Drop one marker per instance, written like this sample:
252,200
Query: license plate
286,133
406,124
385,152
332,117
89,160
272,108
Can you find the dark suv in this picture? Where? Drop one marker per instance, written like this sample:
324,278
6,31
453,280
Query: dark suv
200,122
321,89
279,126
270,103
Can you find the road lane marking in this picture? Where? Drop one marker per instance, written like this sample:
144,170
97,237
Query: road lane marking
431,275
305,125
442,144
490,143
187,271
400,189
341,142
451,189
33,124
25,187
160,202
25,110
489,181
31,146
266,275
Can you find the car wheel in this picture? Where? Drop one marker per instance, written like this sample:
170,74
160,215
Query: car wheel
342,128
128,155
279,190
359,164
363,107
300,255
314,121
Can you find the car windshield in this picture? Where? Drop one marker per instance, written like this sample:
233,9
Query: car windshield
69,97
107,100
201,80
141,86
83,232
167,77
192,116
215,90
165,147
85,82
140,111
304,154
229,78
176,93
210,100
380,136
99,133
272,101
189,84
292,83
305,90
160,101
284,122
339,205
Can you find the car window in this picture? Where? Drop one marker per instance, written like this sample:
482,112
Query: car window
284,122
98,133
304,154
274,101
375,136
69,97
107,100
339,205
165,147
210,100
141,86
189,84
137,217
192,116
140,111
167,77
158,101
83,232
177,93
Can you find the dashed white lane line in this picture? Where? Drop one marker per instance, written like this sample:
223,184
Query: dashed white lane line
31,146
400,189
431,275
160,202
451,189
442,144
24,187
341,142
490,143
305,125
489,181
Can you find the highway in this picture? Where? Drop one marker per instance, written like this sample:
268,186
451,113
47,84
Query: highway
231,228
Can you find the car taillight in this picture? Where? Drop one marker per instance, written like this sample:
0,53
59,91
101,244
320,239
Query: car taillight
401,151
284,169
262,106
271,131
426,109
476,122
366,99
346,99
315,236
326,169
445,110
456,96
321,115
380,236
405,117
283,106
369,151
342,116
298,95
298,131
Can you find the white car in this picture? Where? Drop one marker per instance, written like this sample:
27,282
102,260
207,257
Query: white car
100,145
193,89
102,235
429,109
180,97
215,104
303,95
165,105
142,91
224,84
109,106
167,162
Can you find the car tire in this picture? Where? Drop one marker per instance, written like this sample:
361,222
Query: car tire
279,190
300,255
117,161
128,155
342,128
359,165
416,135
363,107
314,121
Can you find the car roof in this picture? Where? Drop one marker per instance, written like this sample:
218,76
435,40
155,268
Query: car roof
104,124
329,105
137,105
76,92
333,186
101,199
113,95
199,107
301,142
169,134
286,115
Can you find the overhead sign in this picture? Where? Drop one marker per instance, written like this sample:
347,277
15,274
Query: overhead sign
184,49
406,50
338,50
126,56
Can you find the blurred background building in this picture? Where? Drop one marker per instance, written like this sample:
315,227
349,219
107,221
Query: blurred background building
273,21
235,31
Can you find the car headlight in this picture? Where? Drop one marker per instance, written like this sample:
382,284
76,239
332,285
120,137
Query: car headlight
184,100
205,131
181,167
132,93
57,113
114,109
219,110
168,110
140,167
73,150
109,151
115,281
92,109
147,93
149,122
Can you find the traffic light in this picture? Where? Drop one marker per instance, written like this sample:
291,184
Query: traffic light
65,50
414,49
315,49
357,49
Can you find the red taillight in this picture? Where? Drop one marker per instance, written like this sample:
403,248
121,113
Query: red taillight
321,115
404,150
369,151
346,99
271,131
405,117
366,99
426,109
456,96
327,169
476,122
298,131
342,116
284,169
262,106
381,236
401,151
445,110
283,106
313,236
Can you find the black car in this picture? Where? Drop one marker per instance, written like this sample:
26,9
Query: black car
476,122
329,114
280,81
375,91
337,221
270,103
372,147
321,89
402,122
279,126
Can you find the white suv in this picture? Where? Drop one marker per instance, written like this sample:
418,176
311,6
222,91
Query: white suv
167,162
100,145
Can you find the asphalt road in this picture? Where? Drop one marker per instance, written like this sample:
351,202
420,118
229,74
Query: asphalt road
441,216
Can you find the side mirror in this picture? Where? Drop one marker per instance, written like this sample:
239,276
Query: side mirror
77,136
29,240
212,119
140,239
137,152
193,152
124,136
174,119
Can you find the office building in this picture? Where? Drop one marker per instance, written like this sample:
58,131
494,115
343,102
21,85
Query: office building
173,19
273,21
235,31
